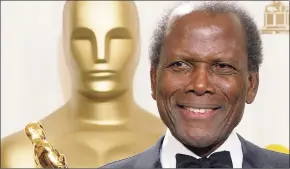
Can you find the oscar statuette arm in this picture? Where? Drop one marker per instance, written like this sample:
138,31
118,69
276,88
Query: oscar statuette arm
45,155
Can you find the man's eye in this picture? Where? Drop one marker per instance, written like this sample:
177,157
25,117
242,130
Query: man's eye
179,66
225,69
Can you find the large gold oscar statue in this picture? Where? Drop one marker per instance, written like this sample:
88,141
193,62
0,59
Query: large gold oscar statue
101,122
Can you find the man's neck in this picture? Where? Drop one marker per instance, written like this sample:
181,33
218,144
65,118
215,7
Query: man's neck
205,151
89,113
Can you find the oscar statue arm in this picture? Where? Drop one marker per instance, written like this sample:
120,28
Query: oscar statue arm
45,155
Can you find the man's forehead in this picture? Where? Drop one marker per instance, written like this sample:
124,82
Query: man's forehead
191,26
197,14
202,27
99,14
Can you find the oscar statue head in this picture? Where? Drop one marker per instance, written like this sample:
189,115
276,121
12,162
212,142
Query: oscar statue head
101,42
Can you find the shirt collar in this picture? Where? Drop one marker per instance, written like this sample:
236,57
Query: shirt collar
171,146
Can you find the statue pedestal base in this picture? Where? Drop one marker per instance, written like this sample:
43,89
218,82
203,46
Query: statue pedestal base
275,30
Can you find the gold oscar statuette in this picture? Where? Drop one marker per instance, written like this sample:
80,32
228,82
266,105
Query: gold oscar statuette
45,156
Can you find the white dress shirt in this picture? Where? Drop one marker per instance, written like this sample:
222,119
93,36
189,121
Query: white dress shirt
171,146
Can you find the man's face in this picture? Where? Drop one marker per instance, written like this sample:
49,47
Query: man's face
202,81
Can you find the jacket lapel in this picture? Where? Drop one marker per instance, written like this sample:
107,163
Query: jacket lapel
247,161
150,158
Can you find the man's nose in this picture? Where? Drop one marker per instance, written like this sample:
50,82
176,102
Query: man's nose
200,82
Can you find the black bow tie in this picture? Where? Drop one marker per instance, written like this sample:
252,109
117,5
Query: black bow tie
216,160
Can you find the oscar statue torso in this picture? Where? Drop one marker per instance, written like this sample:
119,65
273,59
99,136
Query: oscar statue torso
101,123
83,148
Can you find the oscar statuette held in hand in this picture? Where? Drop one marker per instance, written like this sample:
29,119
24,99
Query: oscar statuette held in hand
45,156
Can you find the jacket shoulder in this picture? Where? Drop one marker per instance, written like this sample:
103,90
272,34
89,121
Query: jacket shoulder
278,160
258,157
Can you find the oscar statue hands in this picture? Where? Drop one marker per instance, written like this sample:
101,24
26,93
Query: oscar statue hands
45,156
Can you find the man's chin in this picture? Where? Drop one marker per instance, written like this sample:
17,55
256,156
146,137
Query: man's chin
198,138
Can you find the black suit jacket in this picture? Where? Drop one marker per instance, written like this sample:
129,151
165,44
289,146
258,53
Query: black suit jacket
254,157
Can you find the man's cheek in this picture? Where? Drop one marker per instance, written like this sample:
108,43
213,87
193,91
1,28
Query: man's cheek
169,83
230,87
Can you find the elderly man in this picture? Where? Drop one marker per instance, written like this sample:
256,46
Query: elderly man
204,68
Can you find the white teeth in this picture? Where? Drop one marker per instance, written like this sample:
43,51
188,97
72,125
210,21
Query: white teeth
199,110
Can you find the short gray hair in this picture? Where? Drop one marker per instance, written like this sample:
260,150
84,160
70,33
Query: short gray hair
253,39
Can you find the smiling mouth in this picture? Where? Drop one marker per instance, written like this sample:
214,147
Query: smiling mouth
198,112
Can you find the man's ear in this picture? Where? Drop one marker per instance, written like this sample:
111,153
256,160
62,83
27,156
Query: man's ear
253,84
153,76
